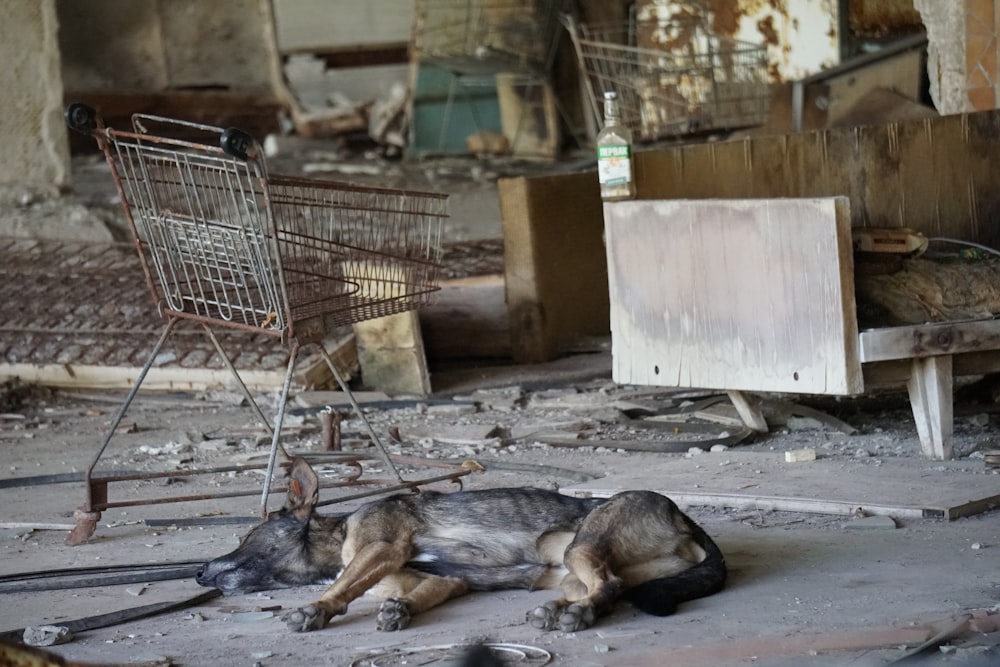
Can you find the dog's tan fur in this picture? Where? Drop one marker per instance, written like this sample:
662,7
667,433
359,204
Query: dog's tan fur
420,550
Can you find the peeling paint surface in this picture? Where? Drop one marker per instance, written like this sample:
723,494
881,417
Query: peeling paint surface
802,37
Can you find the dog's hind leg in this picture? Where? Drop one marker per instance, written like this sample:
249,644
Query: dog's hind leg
590,591
410,594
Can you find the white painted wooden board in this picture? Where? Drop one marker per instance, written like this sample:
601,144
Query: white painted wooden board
750,294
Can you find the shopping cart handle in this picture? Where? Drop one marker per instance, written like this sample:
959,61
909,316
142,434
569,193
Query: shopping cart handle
81,118
239,144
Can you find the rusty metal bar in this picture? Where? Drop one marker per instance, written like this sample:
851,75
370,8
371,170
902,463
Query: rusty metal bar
116,422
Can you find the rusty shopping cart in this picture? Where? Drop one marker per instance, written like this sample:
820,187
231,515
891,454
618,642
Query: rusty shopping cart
672,78
224,244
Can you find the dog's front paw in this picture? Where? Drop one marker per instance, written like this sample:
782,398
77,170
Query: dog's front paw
306,618
576,617
546,616
393,615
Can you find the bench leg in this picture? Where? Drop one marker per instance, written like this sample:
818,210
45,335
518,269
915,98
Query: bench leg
930,389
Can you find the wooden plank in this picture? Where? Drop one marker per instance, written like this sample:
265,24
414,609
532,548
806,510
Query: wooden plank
897,371
764,503
884,170
750,414
123,377
556,278
751,295
762,480
925,340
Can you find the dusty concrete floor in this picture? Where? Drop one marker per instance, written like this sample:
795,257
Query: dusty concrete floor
800,582
804,588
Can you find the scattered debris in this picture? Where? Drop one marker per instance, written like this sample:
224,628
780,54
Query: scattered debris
47,635
800,455
251,616
456,654
879,522
992,458
487,143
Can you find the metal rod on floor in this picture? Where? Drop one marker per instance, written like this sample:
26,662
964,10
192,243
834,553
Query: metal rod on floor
120,415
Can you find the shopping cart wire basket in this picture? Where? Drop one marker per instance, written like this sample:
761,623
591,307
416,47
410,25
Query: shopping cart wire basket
694,81
225,244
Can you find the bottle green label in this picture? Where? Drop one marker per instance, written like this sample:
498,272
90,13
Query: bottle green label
605,152
614,166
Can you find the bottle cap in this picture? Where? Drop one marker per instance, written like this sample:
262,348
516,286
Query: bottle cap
610,95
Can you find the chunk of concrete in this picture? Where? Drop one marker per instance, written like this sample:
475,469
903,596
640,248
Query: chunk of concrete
872,523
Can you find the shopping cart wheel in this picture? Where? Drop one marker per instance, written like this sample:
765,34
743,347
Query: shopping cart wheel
81,118
238,144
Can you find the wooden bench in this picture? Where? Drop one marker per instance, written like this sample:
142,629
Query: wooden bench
758,295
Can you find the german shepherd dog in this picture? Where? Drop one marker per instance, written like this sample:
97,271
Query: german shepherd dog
418,550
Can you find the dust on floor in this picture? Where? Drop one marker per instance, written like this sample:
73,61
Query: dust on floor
805,588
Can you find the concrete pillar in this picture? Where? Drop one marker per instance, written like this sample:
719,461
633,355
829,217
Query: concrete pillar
32,133
963,54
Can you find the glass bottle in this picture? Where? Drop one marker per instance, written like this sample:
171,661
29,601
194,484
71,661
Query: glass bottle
614,154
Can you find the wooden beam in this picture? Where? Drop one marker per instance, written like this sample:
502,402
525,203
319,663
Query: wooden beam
882,169
925,340
750,414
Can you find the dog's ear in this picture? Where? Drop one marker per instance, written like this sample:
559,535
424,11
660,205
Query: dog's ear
303,489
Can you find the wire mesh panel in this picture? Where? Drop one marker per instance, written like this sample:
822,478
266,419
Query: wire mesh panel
695,82
201,218
351,253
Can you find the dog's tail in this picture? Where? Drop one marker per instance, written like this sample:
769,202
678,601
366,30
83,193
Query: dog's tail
660,597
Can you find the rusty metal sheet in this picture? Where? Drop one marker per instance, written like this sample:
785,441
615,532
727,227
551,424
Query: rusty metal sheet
802,37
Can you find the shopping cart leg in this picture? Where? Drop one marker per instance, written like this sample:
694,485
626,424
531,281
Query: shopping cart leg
383,453
97,492
239,381
276,433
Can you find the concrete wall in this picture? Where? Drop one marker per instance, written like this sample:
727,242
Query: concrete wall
166,44
35,153
320,24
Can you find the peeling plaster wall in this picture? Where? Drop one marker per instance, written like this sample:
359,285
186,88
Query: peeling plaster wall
163,44
32,132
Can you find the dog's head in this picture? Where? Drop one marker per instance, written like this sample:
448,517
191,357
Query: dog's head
285,550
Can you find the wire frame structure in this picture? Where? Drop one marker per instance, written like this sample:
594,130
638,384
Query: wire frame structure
224,244
486,46
692,81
